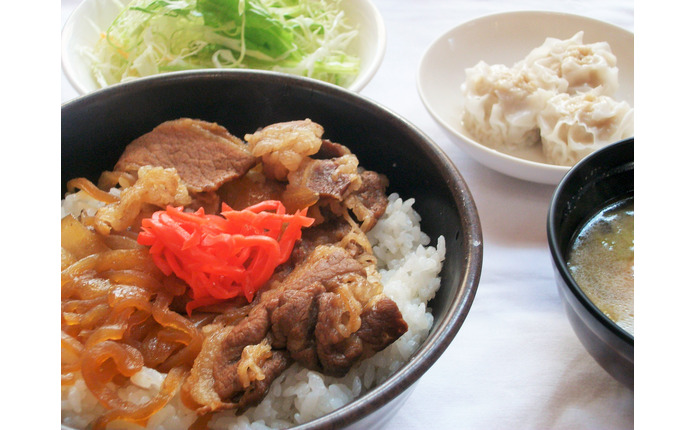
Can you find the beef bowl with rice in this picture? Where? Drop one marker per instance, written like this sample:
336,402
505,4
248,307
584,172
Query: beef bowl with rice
246,248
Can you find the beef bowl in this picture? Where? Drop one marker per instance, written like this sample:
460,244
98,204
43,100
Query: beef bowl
591,238
317,334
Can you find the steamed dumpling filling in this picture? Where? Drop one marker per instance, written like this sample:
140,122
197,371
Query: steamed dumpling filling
560,97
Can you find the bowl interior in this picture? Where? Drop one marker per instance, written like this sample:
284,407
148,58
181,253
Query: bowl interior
82,30
605,177
370,45
506,38
92,17
96,128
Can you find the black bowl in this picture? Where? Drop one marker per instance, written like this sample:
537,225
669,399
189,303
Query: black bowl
97,127
602,178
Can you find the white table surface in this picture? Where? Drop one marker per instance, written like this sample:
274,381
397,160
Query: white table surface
515,363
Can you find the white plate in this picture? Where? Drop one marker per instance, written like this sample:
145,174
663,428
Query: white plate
92,17
505,39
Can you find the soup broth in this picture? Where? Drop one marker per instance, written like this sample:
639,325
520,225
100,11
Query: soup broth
602,262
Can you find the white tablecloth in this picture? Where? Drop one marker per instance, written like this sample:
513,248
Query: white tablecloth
516,363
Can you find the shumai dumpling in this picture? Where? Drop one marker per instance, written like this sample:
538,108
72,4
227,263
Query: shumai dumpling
585,67
573,126
501,104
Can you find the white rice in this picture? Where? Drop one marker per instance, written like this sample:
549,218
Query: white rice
410,274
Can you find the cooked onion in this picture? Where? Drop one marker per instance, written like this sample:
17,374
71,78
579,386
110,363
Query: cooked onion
250,365
116,315
91,189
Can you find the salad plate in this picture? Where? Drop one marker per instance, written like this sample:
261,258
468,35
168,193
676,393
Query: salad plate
506,38
91,18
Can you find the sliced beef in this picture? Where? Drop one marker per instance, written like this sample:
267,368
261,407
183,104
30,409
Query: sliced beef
293,323
372,193
338,184
382,322
250,189
250,331
271,369
324,269
315,180
204,154
329,232
336,352
339,345
368,203
208,200
317,315
245,397
331,150
327,178
325,265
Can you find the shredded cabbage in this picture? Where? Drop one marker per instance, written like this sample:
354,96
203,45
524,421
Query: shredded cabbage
302,37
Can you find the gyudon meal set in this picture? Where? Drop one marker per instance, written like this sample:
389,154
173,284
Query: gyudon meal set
267,278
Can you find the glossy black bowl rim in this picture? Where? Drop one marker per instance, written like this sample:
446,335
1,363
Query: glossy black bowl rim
440,337
558,254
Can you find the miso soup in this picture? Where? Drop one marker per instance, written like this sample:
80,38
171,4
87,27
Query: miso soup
602,262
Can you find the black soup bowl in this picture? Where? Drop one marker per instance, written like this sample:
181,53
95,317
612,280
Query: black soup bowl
97,127
602,178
